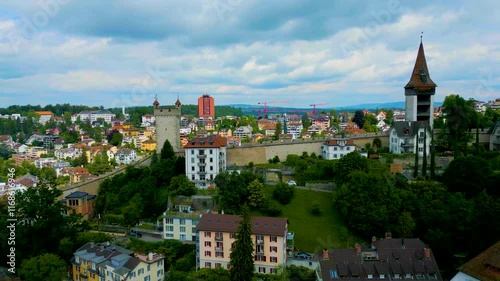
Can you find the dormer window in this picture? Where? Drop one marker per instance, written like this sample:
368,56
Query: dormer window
423,76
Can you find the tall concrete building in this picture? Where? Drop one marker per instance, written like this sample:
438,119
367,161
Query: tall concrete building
206,106
168,124
419,92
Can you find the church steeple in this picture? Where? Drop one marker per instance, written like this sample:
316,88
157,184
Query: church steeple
420,79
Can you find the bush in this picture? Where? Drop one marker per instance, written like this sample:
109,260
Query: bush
283,193
316,210
272,208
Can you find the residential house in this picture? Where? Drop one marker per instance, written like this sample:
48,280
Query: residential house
205,159
80,203
59,166
58,144
209,125
20,158
5,138
225,132
45,162
216,236
125,156
68,153
403,137
381,116
184,121
381,124
26,181
45,116
107,261
180,225
148,145
269,128
494,133
483,267
315,129
185,130
256,138
55,131
36,151
337,148
20,148
243,132
399,117
75,174
148,118
323,121
233,141
391,259
294,129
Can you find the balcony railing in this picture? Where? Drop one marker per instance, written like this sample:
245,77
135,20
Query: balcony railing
202,172
260,242
201,164
219,249
201,156
218,238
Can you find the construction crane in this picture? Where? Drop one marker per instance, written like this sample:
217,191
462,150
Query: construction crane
265,103
258,112
314,106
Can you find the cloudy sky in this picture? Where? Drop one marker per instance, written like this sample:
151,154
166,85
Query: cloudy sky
121,52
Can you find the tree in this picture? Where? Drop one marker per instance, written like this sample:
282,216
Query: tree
415,168
5,152
154,158
277,131
359,118
351,162
256,197
115,138
232,191
406,225
181,185
469,175
433,155
47,267
241,258
167,151
459,119
283,193
377,143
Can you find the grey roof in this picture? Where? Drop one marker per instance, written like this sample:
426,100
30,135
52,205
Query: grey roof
77,194
405,129
493,128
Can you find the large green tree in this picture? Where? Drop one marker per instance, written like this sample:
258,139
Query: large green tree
241,258
232,192
469,175
47,267
167,151
351,162
460,116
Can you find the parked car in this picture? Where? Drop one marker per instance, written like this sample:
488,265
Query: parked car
292,182
303,256
134,233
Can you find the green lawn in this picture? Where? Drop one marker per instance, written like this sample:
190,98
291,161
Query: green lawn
314,233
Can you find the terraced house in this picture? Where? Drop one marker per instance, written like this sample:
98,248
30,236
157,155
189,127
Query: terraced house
108,262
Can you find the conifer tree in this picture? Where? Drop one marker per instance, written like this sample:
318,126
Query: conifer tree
154,158
167,152
433,156
415,170
242,264
424,160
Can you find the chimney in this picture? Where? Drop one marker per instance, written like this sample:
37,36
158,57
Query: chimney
325,254
357,247
388,235
427,253
150,256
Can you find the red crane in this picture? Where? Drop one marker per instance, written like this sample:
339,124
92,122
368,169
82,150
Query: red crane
314,106
265,103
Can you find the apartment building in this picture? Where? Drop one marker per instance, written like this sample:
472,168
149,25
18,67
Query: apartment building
45,116
81,203
403,137
205,158
337,148
106,261
216,235
94,115
180,225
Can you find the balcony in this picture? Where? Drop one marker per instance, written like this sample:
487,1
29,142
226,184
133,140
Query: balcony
259,242
201,156
202,164
220,238
219,249
202,172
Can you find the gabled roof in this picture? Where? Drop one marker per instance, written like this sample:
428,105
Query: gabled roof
406,129
211,141
483,266
494,127
339,142
77,194
230,223
420,68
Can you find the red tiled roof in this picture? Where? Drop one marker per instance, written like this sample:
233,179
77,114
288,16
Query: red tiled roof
479,266
214,141
44,112
230,223
336,142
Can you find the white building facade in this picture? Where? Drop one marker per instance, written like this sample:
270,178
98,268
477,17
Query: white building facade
337,148
409,137
205,159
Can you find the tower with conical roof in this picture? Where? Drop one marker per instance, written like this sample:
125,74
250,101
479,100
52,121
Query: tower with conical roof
419,92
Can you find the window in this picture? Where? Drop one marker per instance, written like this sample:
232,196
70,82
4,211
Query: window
211,152
273,239
211,168
274,259
348,148
208,264
182,229
159,273
335,148
272,270
273,249
192,153
232,235
262,270
192,177
208,244
420,149
218,265
260,258
192,168
169,221
219,254
193,230
159,263
169,228
169,235
334,155
140,271
260,249
149,267
208,253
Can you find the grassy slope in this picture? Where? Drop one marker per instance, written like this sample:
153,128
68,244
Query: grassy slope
314,233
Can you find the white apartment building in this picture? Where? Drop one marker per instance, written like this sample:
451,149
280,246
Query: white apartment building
403,137
337,148
180,226
205,158
94,115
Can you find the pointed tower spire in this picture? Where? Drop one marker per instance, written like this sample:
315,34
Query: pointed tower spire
420,78
156,103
